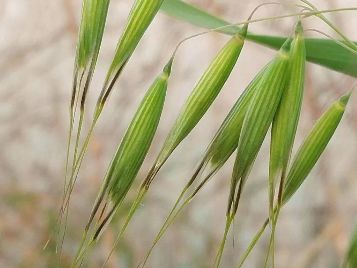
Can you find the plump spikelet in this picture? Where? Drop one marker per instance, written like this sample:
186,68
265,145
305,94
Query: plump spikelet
201,98
257,120
127,161
302,164
313,146
226,139
259,117
137,139
140,17
94,13
222,146
195,107
287,117
204,93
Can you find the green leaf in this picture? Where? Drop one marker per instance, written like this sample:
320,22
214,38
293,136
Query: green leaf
193,15
324,52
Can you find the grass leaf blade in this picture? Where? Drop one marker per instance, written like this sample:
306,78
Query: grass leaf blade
324,52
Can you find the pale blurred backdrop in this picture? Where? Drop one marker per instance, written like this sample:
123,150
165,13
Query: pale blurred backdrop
37,49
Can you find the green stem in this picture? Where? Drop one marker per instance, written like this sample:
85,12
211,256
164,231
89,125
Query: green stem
253,243
274,219
134,207
270,248
333,27
70,187
218,258
77,166
79,130
169,220
81,247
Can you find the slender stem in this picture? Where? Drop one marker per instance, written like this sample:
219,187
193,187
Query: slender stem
72,115
134,207
81,247
79,130
60,212
71,183
81,255
218,258
274,218
173,214
333,27
75,170
249,21
270,247
80,124
163,229
71,119
253,243
89,241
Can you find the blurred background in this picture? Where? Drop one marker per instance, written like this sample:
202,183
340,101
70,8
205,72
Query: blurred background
37,49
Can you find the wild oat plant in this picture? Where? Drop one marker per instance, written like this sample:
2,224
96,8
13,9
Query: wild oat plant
272,100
